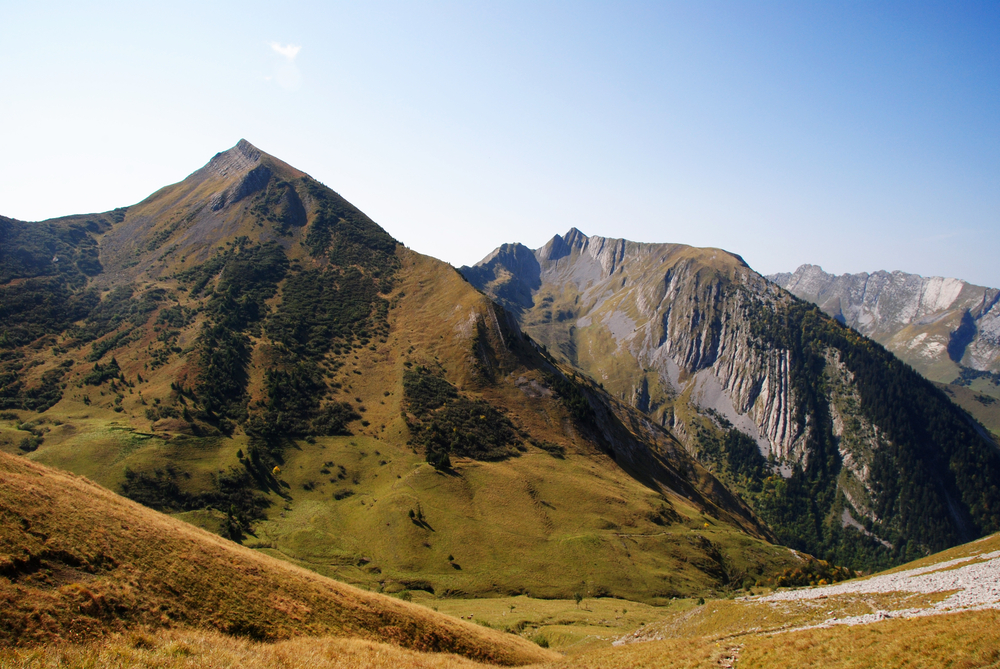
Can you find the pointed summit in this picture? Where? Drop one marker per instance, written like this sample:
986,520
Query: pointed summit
242,157
562,246
242,192
575,239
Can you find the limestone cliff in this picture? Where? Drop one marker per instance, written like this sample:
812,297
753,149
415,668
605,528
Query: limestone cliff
702,343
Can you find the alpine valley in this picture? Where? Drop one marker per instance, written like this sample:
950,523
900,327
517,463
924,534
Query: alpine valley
569,444
249,352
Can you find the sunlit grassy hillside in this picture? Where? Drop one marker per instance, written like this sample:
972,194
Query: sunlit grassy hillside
884,620
547,523
78,562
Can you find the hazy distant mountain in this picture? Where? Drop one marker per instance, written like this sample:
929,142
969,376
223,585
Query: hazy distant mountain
946,329
249,351
697,340
937,325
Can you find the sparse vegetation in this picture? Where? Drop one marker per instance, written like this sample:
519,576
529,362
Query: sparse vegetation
447,423
235,494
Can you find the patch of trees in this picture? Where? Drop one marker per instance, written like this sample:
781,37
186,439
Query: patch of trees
57,248
425,392
333,418
233,493
813,572
176,316
329,310
572,398
248,275
968,375
557,451
15,395
346,235
280,205
51,260
292,399
446,423
40,306
735,452
340,306
121,307
101,348
101,373
224,360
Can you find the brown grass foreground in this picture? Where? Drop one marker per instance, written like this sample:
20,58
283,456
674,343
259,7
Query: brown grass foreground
88,579
174,649
964,640
78,562
960,640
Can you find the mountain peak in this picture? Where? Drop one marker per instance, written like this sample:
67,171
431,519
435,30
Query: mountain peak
241,158
562,246
575,238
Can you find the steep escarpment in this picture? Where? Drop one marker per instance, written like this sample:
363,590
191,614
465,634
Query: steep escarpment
817,426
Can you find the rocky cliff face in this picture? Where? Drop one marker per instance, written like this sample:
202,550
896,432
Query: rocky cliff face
652,321
706,346
937,325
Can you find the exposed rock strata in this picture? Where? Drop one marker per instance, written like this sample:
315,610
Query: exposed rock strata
676,313
935,324
688,335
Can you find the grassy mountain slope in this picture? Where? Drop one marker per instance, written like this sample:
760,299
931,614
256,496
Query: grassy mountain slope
79,561
261,359
932,612
843,450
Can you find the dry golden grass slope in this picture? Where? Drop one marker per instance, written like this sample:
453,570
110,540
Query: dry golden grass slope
790,630
79,562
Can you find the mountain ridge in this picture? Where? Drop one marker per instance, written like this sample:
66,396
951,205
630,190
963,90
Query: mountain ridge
704,345
259,357
945,328
890,306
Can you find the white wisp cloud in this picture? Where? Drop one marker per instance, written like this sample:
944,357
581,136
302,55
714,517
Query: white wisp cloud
289,51
286,74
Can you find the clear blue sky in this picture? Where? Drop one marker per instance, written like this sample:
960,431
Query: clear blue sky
855,135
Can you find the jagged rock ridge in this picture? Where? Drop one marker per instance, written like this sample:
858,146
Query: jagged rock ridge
684,333
938,325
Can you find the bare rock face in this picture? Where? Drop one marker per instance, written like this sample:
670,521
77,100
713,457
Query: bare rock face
937,325
699,341
652,320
